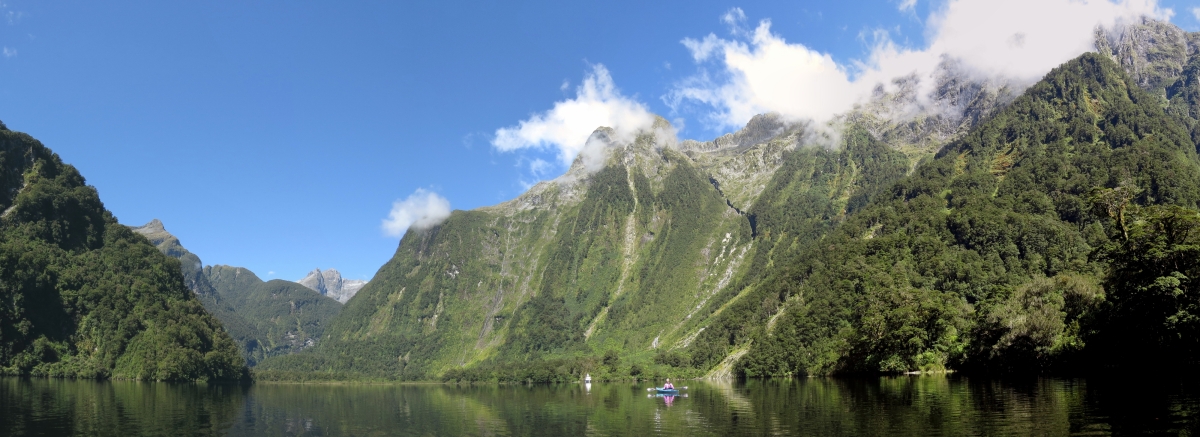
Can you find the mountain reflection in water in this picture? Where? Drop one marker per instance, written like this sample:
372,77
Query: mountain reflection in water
926,405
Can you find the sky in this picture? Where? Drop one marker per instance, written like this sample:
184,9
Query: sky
288,136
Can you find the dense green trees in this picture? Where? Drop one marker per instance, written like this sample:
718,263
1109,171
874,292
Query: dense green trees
82,296
1151,315
987,257
283,316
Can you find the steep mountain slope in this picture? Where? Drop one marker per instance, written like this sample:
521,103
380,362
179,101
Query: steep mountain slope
558,271
330,283
83,296
631,261
987,256
288,316
631,264
265,319
244,333
682,258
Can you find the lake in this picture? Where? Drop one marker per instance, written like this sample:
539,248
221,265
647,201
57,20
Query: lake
908,405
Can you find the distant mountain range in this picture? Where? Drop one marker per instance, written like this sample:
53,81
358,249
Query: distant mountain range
265,318
330,283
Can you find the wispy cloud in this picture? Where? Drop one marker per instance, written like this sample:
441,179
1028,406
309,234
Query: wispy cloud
420,210
735,18
9,52
566,127
1196,13
907,5
11,16
760,72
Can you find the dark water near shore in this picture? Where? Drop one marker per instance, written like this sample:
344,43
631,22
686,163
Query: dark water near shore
917,406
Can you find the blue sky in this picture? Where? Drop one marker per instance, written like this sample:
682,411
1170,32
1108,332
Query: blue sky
278,135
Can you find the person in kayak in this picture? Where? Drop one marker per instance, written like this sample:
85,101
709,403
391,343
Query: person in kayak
668,385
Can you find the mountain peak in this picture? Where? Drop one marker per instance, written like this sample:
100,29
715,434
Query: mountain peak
155,226
160,238
331,283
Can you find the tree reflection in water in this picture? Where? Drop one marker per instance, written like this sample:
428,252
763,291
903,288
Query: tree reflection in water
910,405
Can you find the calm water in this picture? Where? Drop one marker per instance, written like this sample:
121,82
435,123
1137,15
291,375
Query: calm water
820,406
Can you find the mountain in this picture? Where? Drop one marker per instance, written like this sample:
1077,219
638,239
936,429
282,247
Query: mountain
83,296
614,271
264,318
330,283
973,227
993,254
288,316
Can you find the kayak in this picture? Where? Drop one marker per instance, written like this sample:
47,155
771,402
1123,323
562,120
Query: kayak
667,391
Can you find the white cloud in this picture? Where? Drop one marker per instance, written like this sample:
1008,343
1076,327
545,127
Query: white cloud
9,52
271,273
1196,13
1019,40
421,209
567,126
735,18
907,5
539,167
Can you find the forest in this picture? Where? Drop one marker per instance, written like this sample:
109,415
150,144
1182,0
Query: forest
83,296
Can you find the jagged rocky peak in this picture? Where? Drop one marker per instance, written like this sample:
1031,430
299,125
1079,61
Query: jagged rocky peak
917,115
760,129
159,237
331,283
1153,52
154,227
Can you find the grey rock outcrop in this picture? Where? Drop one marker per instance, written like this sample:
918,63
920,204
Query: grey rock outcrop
1154,52
331,283
918,115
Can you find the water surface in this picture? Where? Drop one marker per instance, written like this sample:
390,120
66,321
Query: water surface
916,406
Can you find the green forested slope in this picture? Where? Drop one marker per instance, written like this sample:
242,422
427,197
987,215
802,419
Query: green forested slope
245,334
773,252
264,318
285,316
809,195
81,295
615,273
602,263
993,254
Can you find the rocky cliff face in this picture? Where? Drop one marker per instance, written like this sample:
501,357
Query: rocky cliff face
330,283
1154,53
